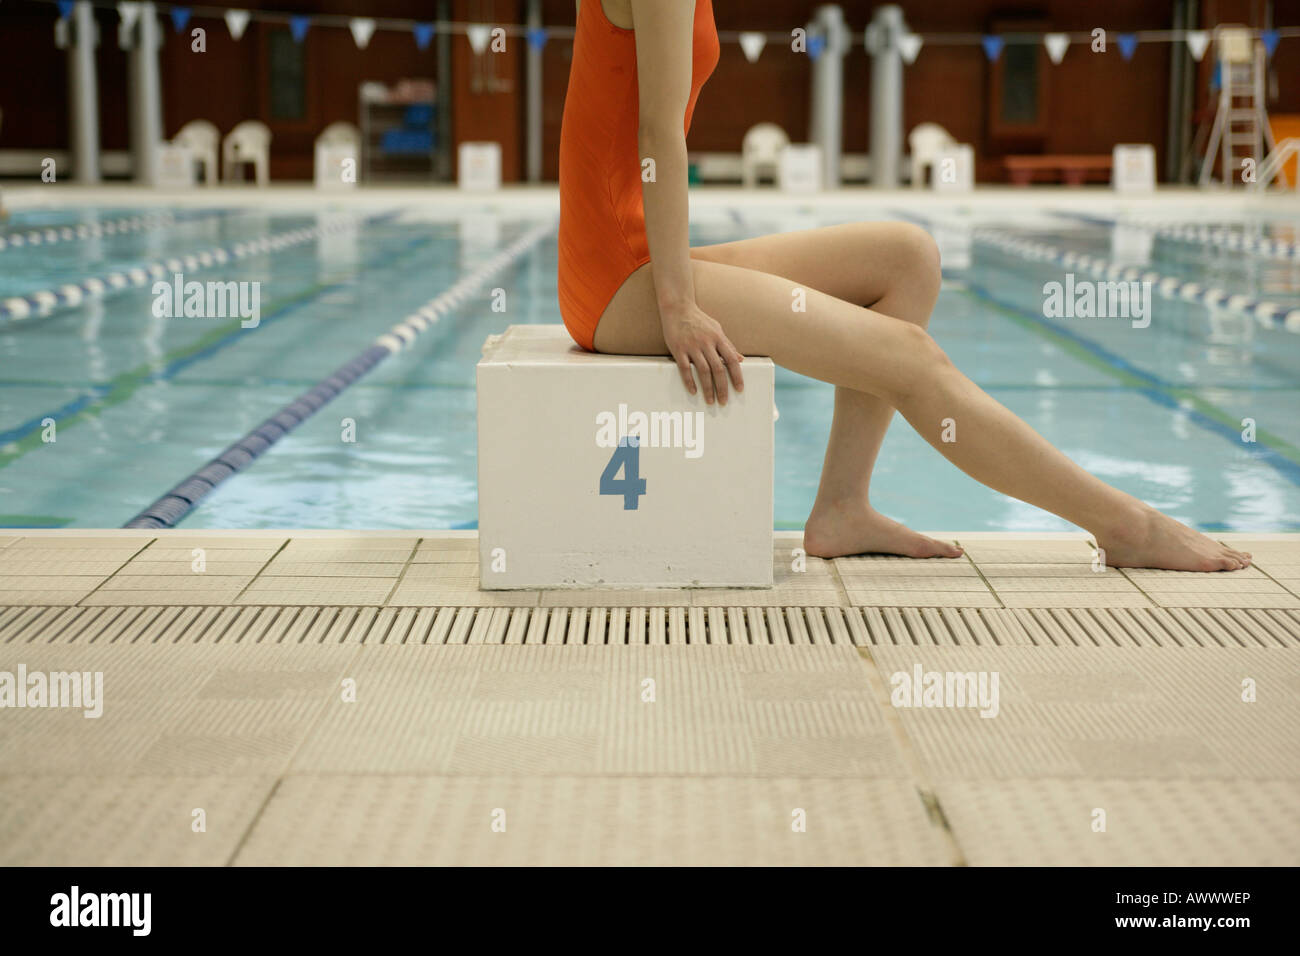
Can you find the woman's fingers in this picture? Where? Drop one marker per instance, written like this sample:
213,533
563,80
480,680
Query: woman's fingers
719,369
733,360
684,366
705,372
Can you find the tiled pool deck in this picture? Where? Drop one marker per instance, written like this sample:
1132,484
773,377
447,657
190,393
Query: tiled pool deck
326,697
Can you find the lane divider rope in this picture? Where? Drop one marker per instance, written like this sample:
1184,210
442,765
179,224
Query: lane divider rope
48,235
1267,314
1220,237
173,506
72,294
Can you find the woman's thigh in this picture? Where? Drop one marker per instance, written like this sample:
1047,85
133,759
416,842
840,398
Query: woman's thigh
799,327
856,262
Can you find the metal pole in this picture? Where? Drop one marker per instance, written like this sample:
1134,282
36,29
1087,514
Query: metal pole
145,118
445,145
84,95
534,104
828,90
886,95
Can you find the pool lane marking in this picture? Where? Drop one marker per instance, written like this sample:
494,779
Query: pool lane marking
1268,314
1272,449
173,506
1200,235
17,441
49,235
72,294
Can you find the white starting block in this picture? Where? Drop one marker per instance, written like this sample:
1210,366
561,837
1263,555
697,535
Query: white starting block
953,169
602,471
336,166
478,166
799,168
1133,168
175,166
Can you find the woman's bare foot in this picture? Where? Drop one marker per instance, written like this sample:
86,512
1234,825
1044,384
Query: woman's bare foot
836,531
1153,540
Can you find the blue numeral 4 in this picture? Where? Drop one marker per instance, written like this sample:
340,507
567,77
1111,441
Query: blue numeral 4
631,486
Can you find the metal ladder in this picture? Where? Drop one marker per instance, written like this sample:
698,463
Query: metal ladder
1241,129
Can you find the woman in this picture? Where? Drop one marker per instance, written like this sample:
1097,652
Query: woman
630,283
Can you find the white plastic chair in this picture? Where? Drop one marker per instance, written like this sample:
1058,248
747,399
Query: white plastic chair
925,141
248,142
202,139
760,152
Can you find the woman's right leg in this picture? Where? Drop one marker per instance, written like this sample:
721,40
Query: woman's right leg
898,362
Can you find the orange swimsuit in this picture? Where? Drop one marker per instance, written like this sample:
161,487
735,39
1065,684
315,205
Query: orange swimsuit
602,219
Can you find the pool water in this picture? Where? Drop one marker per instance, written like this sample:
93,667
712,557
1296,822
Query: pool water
105,406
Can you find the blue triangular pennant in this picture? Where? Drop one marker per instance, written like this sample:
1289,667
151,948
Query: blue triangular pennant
180,17
816,44
1270,38
537,37
1128,42
65,9
423,34
298,27
992,46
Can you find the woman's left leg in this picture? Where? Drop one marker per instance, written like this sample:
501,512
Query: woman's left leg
892,268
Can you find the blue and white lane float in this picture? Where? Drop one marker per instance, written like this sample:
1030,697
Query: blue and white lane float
46,301
49,235
1268,314
1219,237
181,499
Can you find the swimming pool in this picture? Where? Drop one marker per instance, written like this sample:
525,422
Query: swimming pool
104,405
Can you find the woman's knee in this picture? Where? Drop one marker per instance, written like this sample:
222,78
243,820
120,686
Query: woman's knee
921,253
920,361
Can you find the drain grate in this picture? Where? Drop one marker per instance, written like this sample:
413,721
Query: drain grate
896,626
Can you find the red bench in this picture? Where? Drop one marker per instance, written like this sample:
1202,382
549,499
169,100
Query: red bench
1074,170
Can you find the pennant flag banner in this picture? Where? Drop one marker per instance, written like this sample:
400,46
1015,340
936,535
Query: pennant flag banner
992,47
65,9
423,34
1128,42
479,34
1270,38
362,29
180,17
1197,42
752,43
1056,44
129,13
237,22
537,37
298,27
909,45
816,44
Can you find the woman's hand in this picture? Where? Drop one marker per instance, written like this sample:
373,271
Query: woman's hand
695,338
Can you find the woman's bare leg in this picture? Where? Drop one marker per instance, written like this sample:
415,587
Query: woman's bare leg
893,268
900,364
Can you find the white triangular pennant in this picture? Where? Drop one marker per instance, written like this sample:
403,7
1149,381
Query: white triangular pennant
479,34
752,43
1197,42
1056,44
237,22
362,29
909,45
